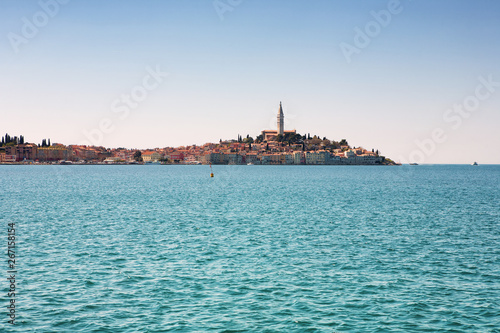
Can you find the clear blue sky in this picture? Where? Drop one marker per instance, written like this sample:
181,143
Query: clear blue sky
229,68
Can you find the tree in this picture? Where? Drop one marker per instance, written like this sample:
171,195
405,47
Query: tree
48,143
138,156
315,140
343,142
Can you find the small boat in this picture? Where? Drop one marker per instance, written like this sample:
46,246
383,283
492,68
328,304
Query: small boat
63,162
250,163
475,163
413,163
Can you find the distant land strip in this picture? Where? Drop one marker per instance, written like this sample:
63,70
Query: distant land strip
282,149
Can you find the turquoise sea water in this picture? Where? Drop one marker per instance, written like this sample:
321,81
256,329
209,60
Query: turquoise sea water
255,249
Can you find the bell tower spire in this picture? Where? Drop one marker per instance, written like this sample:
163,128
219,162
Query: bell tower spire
281,121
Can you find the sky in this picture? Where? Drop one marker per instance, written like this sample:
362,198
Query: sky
418,80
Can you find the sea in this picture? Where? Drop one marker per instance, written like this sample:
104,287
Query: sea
167,248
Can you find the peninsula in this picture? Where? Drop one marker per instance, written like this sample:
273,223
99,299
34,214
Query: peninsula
285,147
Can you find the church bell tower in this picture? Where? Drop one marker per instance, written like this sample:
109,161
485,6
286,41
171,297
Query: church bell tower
281,121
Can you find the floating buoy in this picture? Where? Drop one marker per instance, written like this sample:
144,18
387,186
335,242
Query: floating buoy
211,172
212,175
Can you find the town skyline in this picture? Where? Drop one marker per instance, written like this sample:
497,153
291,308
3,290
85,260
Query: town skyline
418,80
278,147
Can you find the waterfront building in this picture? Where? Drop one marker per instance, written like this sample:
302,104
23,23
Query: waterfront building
349,153
318,157
368,159
265,159
22,151
287,158
211,158
232,158
252,158
54,153
276,158
151,156
298,157
175,156
190,159
85,153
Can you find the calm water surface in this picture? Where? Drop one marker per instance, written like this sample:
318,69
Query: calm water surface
255,249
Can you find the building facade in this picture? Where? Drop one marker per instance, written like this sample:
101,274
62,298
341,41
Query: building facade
151,156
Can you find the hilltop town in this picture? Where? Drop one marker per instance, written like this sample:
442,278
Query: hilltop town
276,147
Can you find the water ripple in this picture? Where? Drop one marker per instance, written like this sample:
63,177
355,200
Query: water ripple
264,249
